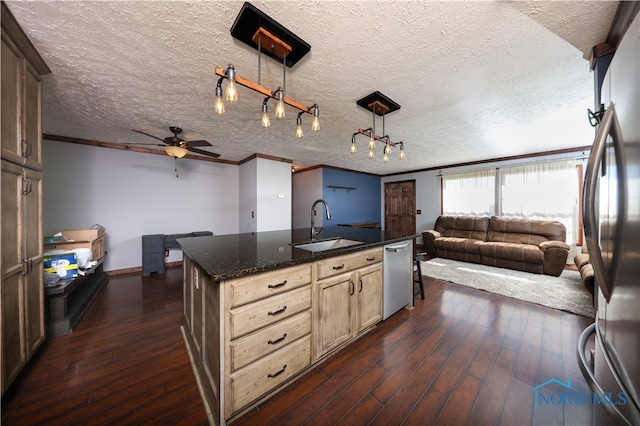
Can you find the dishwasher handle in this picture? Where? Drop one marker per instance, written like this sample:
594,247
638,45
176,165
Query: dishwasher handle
397,248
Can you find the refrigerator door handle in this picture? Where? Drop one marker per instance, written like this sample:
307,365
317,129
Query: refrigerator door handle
591,379
608,126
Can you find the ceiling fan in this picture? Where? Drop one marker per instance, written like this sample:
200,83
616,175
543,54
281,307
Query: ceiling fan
177,147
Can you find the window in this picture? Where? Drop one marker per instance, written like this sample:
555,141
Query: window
548,190
470,194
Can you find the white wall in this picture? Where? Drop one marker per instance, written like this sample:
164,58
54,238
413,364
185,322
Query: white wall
247,195
265,195
132,194
273,195
307,187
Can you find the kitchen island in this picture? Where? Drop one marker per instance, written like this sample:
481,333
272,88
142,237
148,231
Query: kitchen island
260,309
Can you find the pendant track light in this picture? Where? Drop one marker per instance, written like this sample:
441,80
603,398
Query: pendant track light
378,104
261,32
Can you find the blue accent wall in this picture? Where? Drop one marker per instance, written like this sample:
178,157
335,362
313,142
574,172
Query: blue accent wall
361,204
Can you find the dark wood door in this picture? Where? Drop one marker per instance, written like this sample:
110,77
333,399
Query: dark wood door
400,206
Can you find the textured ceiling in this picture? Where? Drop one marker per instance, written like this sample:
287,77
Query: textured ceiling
475,80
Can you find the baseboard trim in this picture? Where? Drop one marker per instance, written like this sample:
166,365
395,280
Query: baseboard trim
138,269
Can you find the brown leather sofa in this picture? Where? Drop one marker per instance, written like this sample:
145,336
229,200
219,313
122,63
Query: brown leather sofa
586,268
529,245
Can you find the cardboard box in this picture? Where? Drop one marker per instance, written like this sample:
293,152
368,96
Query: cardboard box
64,264
82,234
95,239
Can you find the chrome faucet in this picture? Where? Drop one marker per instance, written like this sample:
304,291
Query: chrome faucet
313,207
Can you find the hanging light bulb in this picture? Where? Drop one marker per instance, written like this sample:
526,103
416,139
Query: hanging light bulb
372,142
353,144
266,122
231,93
218,104
401,156
371,155
299,132
387,149
280,105
315,123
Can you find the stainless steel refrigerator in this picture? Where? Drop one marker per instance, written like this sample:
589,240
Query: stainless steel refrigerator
612,227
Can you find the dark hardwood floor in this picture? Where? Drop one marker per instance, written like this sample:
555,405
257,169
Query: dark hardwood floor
462,356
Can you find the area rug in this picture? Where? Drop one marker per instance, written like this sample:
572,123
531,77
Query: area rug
566,292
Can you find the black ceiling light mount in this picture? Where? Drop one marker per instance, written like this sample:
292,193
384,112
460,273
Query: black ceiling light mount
251,20
380,105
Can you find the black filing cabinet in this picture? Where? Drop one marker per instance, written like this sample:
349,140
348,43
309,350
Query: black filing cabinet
152,254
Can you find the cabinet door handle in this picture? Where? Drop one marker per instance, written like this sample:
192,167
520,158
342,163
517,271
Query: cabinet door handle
277,285
25,270
25,147
338,267
360,291
25,186
279,311
353,287
277,373
273,342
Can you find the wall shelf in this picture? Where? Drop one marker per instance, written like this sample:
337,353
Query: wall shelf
346,188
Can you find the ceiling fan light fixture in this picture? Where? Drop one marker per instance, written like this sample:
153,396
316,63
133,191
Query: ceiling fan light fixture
175,151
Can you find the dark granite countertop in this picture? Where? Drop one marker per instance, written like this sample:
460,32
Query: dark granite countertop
230,256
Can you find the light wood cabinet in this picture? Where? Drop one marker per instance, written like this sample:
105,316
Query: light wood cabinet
21,107
22,291
267,333
347,302
22,328
250,335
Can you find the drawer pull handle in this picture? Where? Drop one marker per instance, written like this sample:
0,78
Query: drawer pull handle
277,373
371,258
273,342
338,267
277,311
277,285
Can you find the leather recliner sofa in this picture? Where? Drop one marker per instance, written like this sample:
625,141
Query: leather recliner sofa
529,245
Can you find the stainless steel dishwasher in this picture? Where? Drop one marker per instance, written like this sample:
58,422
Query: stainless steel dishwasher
398,277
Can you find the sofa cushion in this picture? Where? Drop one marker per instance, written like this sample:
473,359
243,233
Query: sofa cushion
524,231
581,259
474,227
458,244
512,251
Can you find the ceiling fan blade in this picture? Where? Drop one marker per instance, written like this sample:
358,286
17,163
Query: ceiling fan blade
198,143
203,152
147,134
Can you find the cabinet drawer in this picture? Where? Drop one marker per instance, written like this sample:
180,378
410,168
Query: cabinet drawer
337,265
272,338
248,318
259,286
259,378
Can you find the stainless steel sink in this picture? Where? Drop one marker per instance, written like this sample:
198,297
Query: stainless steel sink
327,244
